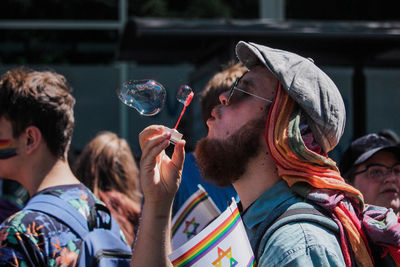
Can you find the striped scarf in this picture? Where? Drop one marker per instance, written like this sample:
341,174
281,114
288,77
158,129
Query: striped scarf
315,176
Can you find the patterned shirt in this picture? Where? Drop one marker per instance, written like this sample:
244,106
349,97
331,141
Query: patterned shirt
31,238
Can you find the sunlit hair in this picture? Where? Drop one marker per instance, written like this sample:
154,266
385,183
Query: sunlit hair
106,163
219,83
42,99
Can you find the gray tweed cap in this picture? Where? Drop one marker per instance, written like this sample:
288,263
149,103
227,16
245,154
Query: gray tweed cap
307,84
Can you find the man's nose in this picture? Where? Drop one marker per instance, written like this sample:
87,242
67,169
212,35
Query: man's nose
390,177
223,98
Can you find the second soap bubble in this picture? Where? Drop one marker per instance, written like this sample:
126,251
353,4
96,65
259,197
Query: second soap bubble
184,94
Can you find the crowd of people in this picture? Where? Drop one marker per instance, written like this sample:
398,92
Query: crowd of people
271,120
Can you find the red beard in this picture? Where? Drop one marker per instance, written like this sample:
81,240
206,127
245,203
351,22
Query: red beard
224,161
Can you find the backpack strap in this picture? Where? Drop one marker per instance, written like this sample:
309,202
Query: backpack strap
61,210
286,214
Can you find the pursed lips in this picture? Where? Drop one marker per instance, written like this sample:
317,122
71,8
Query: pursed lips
214,115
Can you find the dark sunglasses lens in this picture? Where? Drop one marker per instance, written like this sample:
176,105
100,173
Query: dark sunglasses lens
234,97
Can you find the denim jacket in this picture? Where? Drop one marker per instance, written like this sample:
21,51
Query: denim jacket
295,243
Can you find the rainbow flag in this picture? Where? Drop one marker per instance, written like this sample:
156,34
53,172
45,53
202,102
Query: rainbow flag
222,243
194,215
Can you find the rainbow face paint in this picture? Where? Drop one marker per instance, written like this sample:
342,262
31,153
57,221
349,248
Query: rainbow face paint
7,149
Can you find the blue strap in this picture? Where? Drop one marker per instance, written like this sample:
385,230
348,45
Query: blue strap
283,215
275,213
61,210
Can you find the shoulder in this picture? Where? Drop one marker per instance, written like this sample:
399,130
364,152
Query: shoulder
33,232
301,244
34,225
21,221
18,234
76,195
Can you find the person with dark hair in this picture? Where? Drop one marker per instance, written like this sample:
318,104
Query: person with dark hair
372,165
191,177
36,125
269,137
107,167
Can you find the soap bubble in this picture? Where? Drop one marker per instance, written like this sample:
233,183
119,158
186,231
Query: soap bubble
184,95
146,96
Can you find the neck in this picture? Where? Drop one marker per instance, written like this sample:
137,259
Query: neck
59,174
47,171
260,176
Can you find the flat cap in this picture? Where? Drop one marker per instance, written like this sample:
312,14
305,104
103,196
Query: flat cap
306,84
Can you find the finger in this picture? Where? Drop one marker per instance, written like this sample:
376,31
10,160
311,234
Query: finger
149,132
156,150
148,160
154,141
178,157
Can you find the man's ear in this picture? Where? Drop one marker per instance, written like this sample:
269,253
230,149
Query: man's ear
33,137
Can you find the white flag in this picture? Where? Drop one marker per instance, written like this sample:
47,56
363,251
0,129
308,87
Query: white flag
195,214
223,243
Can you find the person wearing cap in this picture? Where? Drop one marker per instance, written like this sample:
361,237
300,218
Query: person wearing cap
191,177
269,137
372,165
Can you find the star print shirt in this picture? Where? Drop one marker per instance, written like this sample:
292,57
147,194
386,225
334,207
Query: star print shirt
31,238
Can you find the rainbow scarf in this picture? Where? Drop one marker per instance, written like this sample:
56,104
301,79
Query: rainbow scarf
315,176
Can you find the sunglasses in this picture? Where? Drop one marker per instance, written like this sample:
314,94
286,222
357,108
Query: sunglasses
235,88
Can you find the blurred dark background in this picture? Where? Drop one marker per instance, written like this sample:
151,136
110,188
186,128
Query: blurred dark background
99,44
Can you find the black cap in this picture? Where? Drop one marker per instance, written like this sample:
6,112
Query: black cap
362,149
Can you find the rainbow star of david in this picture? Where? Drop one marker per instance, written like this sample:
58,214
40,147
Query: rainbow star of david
188,233
224,236
222,254
190,207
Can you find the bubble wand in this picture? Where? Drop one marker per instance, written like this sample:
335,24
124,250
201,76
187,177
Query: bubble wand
187,102
185,96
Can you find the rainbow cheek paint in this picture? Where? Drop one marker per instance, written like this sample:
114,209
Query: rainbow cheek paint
7,149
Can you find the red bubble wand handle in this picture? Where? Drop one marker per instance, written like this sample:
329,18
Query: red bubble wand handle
187,102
